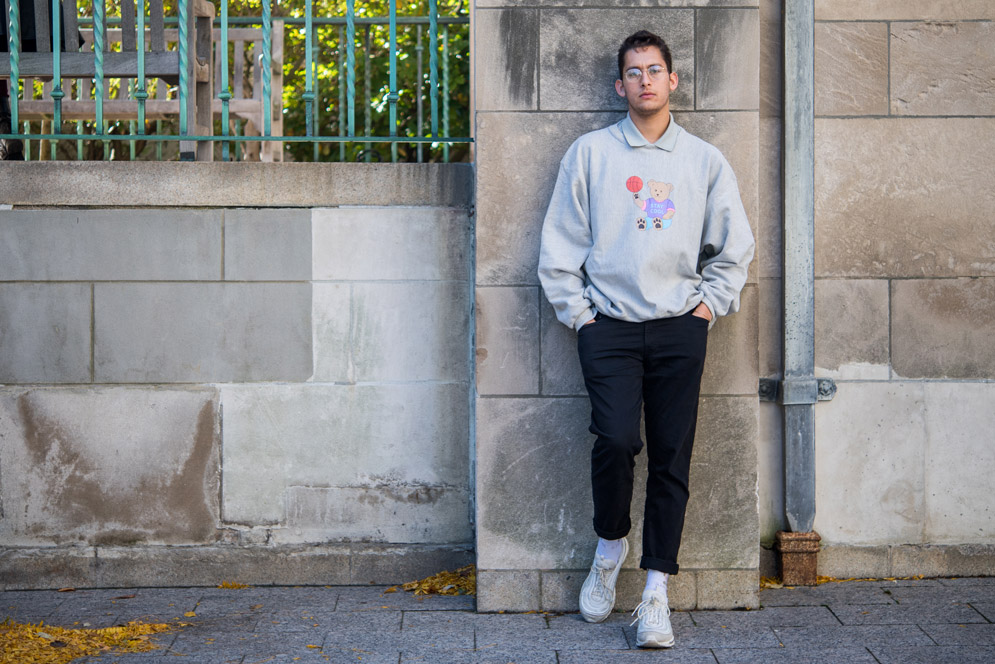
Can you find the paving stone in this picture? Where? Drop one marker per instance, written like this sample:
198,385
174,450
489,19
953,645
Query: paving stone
805,656
795,616
367,599
677,655
987,609
479,656
858,635
962,634
717,637
830,593
968,581
28,605
965,594
934,655
916,614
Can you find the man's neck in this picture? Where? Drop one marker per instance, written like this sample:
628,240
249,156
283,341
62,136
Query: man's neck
652,127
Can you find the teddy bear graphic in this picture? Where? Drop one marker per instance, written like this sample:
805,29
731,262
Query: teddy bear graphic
658,207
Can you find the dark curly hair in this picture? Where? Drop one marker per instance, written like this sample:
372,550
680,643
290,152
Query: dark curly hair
642,39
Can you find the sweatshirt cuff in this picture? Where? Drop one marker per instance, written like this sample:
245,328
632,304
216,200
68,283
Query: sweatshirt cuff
711,310
583,319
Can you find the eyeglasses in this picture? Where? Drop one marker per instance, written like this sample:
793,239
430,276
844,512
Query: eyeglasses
655,72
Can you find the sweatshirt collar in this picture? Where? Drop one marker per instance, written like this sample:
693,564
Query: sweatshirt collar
637,140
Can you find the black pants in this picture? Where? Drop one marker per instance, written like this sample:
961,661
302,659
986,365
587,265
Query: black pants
628,366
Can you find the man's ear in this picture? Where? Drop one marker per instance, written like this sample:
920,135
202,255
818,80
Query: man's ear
673,81
619,88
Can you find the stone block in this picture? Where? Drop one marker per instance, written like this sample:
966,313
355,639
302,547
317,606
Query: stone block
770,248
728,589
561,374
411,331
771,332
47,567
731,363
506,59
847,562
267,245
533,484
770,472
960,463
399,243
83,245
45,333
401,434
561,589
580,75
507,590
941,328
727,59
415,514
942,68
861,51
518,155
331,323
385,564
508,340
771,59
943,560
736,135
681,590
900,176
869,469
882,10
600,4
721,530
212,332
109,466
852,336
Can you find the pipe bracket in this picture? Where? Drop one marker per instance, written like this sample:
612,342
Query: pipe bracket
797,391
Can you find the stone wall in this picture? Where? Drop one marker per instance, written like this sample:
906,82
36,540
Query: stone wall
277,394
544,73
905,285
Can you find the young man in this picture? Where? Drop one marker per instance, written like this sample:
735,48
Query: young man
644,244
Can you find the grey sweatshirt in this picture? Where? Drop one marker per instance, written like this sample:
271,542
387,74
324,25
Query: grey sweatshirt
640,230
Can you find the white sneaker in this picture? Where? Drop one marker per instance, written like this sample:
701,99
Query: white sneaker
597,596
653,616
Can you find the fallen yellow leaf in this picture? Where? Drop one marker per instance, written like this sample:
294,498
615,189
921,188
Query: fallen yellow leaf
190,614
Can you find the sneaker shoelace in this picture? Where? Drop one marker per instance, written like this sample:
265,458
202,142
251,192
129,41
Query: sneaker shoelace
653,609
601,588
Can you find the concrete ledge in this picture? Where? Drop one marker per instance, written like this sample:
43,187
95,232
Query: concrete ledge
899,560
174,184
120,567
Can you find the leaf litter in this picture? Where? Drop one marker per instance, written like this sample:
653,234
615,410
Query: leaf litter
462,581
47,644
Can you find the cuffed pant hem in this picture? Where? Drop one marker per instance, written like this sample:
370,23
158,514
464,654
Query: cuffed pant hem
612,535
659,564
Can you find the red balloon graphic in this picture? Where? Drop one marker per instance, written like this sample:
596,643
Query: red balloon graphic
634,184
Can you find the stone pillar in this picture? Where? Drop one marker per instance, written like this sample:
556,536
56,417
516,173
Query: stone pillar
543,76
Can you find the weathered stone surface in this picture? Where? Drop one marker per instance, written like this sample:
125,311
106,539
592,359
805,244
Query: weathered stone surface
234,184
331,336
561,373
506,59
599,4
727,59
721,527
517,160
960,463
770,471
943,68
67,245
212,332
47,567
883,10
580,75
731,363
851,328
507,590
133,465
851,68
771,326
771,59
728,589
267,245
411,331
533,484
770,215
561,589
414,514
952,560
889,205
869,481
681,590
508,340
338,436
44,333
382,243
941,328
399,563
847,562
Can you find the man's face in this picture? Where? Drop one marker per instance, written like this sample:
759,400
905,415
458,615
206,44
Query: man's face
646,95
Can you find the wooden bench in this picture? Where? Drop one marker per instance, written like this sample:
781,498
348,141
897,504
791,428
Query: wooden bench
160,63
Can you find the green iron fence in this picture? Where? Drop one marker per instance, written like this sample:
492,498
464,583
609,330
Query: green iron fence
196,80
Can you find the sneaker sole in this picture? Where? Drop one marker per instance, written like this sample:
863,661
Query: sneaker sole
653,643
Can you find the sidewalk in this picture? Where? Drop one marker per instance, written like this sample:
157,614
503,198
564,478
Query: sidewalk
941,620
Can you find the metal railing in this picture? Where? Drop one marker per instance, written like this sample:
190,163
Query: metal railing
151,59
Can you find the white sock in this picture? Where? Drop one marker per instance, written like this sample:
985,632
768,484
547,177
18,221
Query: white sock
657,581
610,549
